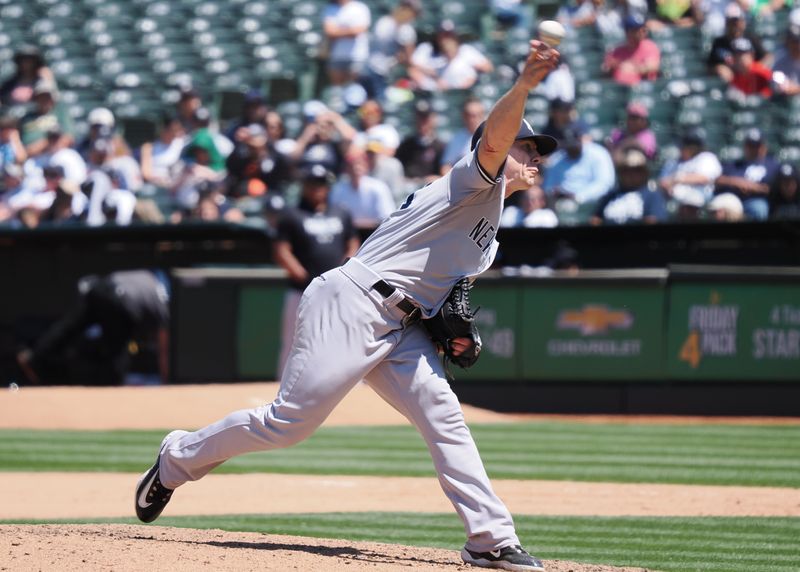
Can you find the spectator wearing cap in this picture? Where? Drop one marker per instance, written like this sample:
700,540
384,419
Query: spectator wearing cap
345,24
160,158
447,63
324,139
784,197
578,175
726,208
530,211
750,177
473,112
720,58
202,163
370,116
55,153
255,167
637,59
749,76
421,152
311,239
12,151
68,204
368,200
786,71
384,166
392,42
636,131
254,111
632,200
45,117
30,68
104,144
689,179
101,126
561,115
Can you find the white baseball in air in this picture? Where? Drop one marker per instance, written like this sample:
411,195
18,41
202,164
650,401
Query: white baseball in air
551,32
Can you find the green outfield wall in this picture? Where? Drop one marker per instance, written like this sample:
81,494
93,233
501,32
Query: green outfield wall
683,324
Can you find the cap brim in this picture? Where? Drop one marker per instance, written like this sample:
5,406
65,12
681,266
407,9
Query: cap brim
544,143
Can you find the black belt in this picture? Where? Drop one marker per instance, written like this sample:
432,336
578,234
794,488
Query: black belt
411,311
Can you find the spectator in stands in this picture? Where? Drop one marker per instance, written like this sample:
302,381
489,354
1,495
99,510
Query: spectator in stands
46,116
212,205
384,166
110,200
749,76
325,138
720,58
726,208
632,200
30,68
530,212
578,174
55,153
510,14
101,126
368,200
689,180
679,13
446,63
254,111
188,103
12,151
561,115
611,15
345,24
784,197
786,71
202,163
421,152
392,42
370,116
202,121
103,148
69,203
473,112
637,131
276,132
14,195
255,167
577,14
559,83
750,177
637,59
311,239
160,158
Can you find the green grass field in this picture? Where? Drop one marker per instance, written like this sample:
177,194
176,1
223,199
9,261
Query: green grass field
689,454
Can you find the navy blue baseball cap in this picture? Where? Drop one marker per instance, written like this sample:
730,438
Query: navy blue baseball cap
544,143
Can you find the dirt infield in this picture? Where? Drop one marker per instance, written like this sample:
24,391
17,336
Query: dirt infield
74,495
135,548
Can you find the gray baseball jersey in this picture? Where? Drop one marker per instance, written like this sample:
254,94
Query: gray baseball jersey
442,233
347,332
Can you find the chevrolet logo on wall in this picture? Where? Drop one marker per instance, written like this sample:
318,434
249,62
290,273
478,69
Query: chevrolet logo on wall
594,319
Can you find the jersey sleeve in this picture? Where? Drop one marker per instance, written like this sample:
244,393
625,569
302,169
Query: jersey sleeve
287,228
468,177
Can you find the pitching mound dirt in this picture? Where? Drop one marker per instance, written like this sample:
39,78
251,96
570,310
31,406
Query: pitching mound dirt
133,548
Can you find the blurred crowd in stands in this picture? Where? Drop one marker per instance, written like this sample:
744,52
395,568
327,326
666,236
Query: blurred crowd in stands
251,167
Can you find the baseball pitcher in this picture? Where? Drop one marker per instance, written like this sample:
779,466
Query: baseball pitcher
362,321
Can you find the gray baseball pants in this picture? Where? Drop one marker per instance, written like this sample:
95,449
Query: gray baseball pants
347,332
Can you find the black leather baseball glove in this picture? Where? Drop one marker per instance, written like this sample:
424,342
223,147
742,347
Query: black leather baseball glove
456,319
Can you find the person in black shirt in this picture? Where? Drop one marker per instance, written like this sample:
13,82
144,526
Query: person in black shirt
129,306
720,58
421,152
312,239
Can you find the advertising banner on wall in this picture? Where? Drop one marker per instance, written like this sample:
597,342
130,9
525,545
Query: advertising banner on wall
593,332
728,332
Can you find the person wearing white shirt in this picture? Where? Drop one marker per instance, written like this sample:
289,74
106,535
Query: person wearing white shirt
346,25
446,63
690,179
392,43
368,200
532,211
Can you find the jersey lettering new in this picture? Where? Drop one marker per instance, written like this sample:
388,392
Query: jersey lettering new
442,233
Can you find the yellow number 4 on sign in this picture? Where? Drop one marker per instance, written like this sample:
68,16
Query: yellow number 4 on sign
690,350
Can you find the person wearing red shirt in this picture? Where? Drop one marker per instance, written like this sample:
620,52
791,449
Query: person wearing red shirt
635,60
749,76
